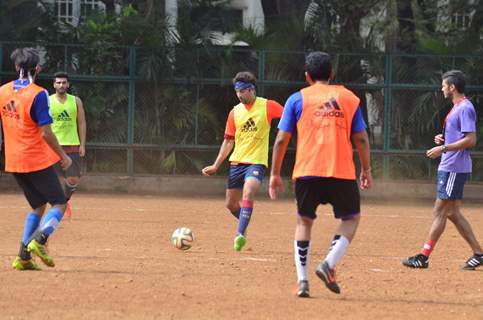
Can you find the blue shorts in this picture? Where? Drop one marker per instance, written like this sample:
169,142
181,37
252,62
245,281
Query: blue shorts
451,185
240,172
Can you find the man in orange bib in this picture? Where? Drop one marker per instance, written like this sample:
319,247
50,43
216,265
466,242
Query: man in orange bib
31,150
325,118
247,131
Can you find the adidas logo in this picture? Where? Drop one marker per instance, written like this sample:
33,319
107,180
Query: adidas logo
64,116
10,110
249,126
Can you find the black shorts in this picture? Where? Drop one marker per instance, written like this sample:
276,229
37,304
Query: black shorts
74,170
342,194
41,187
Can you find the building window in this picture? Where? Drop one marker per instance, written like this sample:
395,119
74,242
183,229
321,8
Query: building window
461,21
88,7
65,10
75,11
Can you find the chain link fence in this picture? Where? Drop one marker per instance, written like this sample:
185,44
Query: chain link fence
164,112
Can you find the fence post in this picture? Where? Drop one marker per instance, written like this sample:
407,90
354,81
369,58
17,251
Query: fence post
261,74
387,115
1,61
130,110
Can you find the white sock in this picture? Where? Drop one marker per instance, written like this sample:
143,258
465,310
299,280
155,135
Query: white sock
337,250
302,254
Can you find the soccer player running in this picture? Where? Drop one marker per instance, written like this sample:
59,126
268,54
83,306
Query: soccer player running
31,150
459,134
69,127
325,118
247,132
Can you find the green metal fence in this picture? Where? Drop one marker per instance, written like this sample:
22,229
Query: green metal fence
164,111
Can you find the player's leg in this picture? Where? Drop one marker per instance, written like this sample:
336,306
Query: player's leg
232,201
307,196
73,175
465,230
440,216
253,178
32,220
345,199
234,189
47,183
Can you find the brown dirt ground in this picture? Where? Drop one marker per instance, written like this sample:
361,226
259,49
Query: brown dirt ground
115,261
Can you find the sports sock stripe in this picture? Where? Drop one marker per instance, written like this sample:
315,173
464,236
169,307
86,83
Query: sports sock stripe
450,184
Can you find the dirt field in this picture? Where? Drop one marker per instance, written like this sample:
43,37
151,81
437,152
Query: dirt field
115,261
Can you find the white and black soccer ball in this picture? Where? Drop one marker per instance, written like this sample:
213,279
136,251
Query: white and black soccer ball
182,238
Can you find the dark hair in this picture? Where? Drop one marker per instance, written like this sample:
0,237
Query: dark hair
318,65
61,74
26,59
245,76
456,78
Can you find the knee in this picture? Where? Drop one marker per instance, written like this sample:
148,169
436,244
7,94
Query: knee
232,206
73,181
305,222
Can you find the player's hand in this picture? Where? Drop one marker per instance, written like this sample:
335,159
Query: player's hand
438,139
275,186
365,179
209,170
82,151
434,153
65,162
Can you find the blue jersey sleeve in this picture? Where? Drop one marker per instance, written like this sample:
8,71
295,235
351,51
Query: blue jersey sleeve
291,113
358,123
40,109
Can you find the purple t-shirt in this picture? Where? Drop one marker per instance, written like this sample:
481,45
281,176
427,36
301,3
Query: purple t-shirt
461,120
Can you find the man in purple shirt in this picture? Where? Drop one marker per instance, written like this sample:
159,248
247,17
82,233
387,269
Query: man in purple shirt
459,134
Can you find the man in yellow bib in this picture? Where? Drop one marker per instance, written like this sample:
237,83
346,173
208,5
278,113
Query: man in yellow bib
247,131
70,129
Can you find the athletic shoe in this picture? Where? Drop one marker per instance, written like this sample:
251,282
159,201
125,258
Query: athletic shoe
474,262
22,265
419,261
303,289
239,242
328,276
40,251
68,211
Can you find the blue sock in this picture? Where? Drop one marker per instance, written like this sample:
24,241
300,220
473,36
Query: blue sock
245,215
31,223
51,221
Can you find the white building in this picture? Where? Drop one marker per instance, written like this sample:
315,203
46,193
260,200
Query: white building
250,12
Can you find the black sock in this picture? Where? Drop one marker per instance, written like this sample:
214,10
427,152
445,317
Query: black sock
23,252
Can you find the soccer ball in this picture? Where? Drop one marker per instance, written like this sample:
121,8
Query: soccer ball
182,238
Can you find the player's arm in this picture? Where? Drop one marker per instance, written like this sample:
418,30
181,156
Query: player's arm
49,137
226,146
81,126
468,141
468,127
225,150
287,126
361,140
279,151
40,115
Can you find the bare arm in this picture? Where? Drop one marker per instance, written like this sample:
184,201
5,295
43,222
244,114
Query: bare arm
361,140
81,126
225,150
468,141
279,151
51,140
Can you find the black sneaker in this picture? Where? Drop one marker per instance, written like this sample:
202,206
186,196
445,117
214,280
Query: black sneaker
303,290
419,261
328,276
474,262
